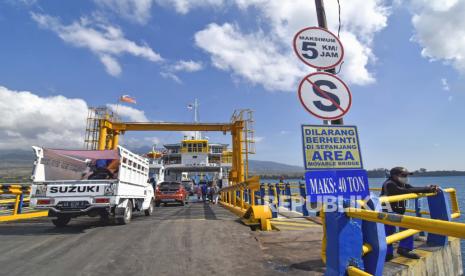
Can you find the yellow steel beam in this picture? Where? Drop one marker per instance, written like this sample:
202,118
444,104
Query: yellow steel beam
9,201
12,191
24,216
435,226
164,126
354,271
102,137
115,140
401,235
392,238
15,210
236,128
396,198
454,202
236,210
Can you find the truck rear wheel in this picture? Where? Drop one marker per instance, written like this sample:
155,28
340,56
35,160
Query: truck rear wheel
127,214
149,211
61,221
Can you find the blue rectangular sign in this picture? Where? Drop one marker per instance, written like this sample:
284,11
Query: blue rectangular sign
338,183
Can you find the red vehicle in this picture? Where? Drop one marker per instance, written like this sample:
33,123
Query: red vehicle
171,192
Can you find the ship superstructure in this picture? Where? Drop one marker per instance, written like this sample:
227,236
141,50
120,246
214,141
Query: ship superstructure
198,158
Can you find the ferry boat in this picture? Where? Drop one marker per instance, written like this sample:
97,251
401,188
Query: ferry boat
193,158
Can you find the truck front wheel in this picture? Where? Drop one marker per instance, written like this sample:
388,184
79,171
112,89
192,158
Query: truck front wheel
61,221
127,214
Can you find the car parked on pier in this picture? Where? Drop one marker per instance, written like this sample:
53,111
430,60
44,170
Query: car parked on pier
171,192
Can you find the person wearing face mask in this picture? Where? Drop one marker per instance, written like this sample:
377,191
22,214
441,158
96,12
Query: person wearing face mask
397,184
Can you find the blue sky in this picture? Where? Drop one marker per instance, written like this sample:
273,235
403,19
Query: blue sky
407,90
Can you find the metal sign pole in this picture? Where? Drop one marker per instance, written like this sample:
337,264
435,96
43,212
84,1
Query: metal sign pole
321,15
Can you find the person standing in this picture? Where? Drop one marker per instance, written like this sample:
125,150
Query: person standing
198,191
204,192
397,184
216,193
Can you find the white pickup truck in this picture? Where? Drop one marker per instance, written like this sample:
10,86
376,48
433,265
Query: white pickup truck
109,183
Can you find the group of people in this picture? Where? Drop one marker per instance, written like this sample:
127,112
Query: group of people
208,192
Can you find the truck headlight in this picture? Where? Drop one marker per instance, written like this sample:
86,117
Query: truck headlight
110,190
41,190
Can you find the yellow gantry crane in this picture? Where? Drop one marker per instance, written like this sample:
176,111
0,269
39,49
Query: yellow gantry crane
109,132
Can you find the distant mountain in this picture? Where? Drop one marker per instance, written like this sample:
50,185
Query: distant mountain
24,158
271,167
19,162
16,158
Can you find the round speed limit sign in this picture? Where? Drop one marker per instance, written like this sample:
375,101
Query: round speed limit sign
325,96
318,48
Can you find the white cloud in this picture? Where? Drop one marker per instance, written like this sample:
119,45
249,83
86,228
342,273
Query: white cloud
250,56
259,139
266,57
187,66
440,29
111,65
171,76
436,5
184,6
445,84
104,40
134,10
27,119
127,112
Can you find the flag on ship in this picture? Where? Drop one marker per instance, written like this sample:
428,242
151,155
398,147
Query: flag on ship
127,99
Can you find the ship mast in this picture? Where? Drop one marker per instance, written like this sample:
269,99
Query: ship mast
197,134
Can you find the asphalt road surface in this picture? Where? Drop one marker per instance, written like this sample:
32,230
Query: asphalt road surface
198,239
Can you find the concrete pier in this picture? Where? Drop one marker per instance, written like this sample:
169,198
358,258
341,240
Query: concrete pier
298,251
190,240
434,261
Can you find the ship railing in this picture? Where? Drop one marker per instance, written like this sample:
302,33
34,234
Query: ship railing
14,203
